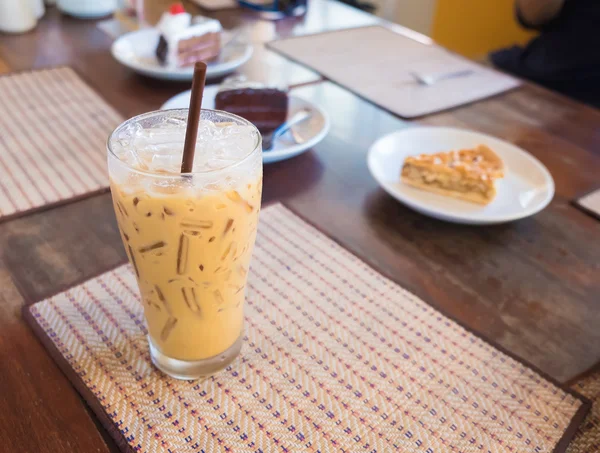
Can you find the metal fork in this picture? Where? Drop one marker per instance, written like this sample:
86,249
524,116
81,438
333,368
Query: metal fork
429,80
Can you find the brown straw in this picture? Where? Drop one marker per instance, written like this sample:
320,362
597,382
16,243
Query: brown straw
191,133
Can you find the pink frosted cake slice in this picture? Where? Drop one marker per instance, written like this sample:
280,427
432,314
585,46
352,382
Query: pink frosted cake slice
182,43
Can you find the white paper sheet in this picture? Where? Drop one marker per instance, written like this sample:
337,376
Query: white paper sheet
591,203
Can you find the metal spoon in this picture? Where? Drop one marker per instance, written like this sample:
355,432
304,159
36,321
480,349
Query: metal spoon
429,80
268,140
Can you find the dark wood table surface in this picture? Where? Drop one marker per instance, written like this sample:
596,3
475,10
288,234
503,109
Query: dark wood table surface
533,286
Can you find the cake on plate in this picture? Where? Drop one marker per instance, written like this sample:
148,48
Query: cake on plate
264,106
184,42
467,174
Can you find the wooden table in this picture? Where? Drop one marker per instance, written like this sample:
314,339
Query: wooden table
533,285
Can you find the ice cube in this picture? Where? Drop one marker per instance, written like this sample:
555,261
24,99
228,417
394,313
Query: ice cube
160,147
166,162
159,187
176,122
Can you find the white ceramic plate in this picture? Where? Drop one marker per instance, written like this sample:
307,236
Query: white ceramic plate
311,131
526,189
136,51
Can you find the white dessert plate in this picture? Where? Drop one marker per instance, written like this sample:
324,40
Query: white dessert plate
136,51
526,188
310,132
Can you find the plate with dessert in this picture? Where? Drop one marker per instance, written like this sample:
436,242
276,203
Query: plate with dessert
289,124
169,50
460,176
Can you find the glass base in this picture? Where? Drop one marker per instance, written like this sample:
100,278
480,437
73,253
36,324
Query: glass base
190,370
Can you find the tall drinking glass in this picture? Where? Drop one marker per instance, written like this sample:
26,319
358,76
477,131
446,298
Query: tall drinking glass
189,237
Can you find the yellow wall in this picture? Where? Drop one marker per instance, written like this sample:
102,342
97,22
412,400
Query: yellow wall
474,27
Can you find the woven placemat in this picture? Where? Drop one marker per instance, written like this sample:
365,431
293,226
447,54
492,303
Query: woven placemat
587,439
337,358
53,131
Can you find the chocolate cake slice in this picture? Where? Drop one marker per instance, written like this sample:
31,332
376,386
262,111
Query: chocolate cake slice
265,107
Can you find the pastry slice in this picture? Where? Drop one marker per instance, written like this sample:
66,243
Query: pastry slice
264,106
467,174
184,41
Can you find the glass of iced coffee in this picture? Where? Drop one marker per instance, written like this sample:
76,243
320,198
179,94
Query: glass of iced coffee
189,237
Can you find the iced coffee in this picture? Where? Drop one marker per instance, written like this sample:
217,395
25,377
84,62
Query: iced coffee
189,238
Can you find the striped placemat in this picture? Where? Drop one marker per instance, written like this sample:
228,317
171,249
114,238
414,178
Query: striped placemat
337,358
587,439
52,141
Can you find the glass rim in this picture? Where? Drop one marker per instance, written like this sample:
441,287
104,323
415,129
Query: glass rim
111,153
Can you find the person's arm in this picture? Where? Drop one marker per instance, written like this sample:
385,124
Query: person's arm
536,13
